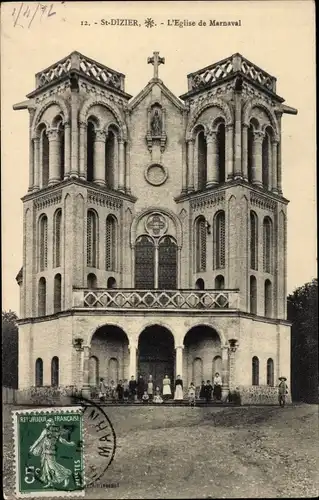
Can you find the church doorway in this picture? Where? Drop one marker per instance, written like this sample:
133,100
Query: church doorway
156,354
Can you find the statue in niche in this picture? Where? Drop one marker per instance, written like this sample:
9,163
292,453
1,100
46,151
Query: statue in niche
156,123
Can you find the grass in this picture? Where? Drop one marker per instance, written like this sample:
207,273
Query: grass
181,452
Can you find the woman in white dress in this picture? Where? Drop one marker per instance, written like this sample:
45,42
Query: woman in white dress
166,387
178,389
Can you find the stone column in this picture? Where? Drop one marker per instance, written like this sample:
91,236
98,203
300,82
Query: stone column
179,361
274,166
121,185
212,159
245,151
54,157
279,184
127,170
238,166
36,146
232,352
99,158
225,372
82,149
74,136
257,158
31,151
86,392
190,186
67,150
133,358
229,157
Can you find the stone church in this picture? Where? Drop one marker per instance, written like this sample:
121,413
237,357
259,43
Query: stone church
154,229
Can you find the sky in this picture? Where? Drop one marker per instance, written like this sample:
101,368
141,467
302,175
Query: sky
276,37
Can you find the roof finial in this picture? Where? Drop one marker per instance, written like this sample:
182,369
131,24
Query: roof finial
156,60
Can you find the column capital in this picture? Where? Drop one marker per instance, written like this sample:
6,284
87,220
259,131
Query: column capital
83,125
133,344
53,134
121,140
229,127
258,136
191,140
100,135
211,135
179,347
274,141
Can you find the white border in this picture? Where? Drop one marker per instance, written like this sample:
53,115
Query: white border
43,494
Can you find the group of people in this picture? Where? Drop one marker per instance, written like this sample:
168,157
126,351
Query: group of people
146,391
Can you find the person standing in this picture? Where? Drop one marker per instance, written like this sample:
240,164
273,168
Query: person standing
178,389
113,390
132,388
102,392
140,387
120,391
166,388
208,391
191,394
126,390
150,388
282,391
217,391
202,390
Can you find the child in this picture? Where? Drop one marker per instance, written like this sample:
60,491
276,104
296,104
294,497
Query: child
191,394
145,397
158,398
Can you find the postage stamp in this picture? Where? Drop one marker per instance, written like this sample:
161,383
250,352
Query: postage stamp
49,452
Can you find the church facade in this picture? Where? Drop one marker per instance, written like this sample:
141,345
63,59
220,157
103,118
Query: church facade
154,230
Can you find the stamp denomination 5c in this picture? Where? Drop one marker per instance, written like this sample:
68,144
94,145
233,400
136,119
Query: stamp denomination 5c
49,452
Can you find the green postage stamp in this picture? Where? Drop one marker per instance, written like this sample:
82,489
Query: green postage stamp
49,452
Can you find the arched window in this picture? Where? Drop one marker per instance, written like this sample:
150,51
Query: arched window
92,238
113,370
197,371
42,297
219,282
221,143
200,284
57,293
144,263
94,371
201,159
44,152
111,157
43,243
253,241
57,238
55,371
167,263
91,281
200,244
253,295
217,365
219,240
255,371
270,372
110,243
268,299
267,245
266,159
90,150
250,153
39,372
111,282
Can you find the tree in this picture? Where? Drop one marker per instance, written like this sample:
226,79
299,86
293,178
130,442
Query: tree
9,349
302,309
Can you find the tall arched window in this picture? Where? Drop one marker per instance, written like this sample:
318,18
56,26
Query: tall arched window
200,244
266,159
219,282
201,159
110,243
43,243
255,371
39,372
91,281
217,365
57,238
167,263
55,371
268,299
90,150
61,150
44,151
267,245
113,370
219,240
197,371
221,143
57,293
253,241
92,238
111,156
94,371
250,153
270,372
144,263
253,295
42,297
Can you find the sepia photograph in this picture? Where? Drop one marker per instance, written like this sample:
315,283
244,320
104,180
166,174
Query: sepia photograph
159,258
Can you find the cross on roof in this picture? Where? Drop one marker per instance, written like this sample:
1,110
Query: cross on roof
156,60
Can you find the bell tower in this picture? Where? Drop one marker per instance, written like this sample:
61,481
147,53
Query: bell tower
233,183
